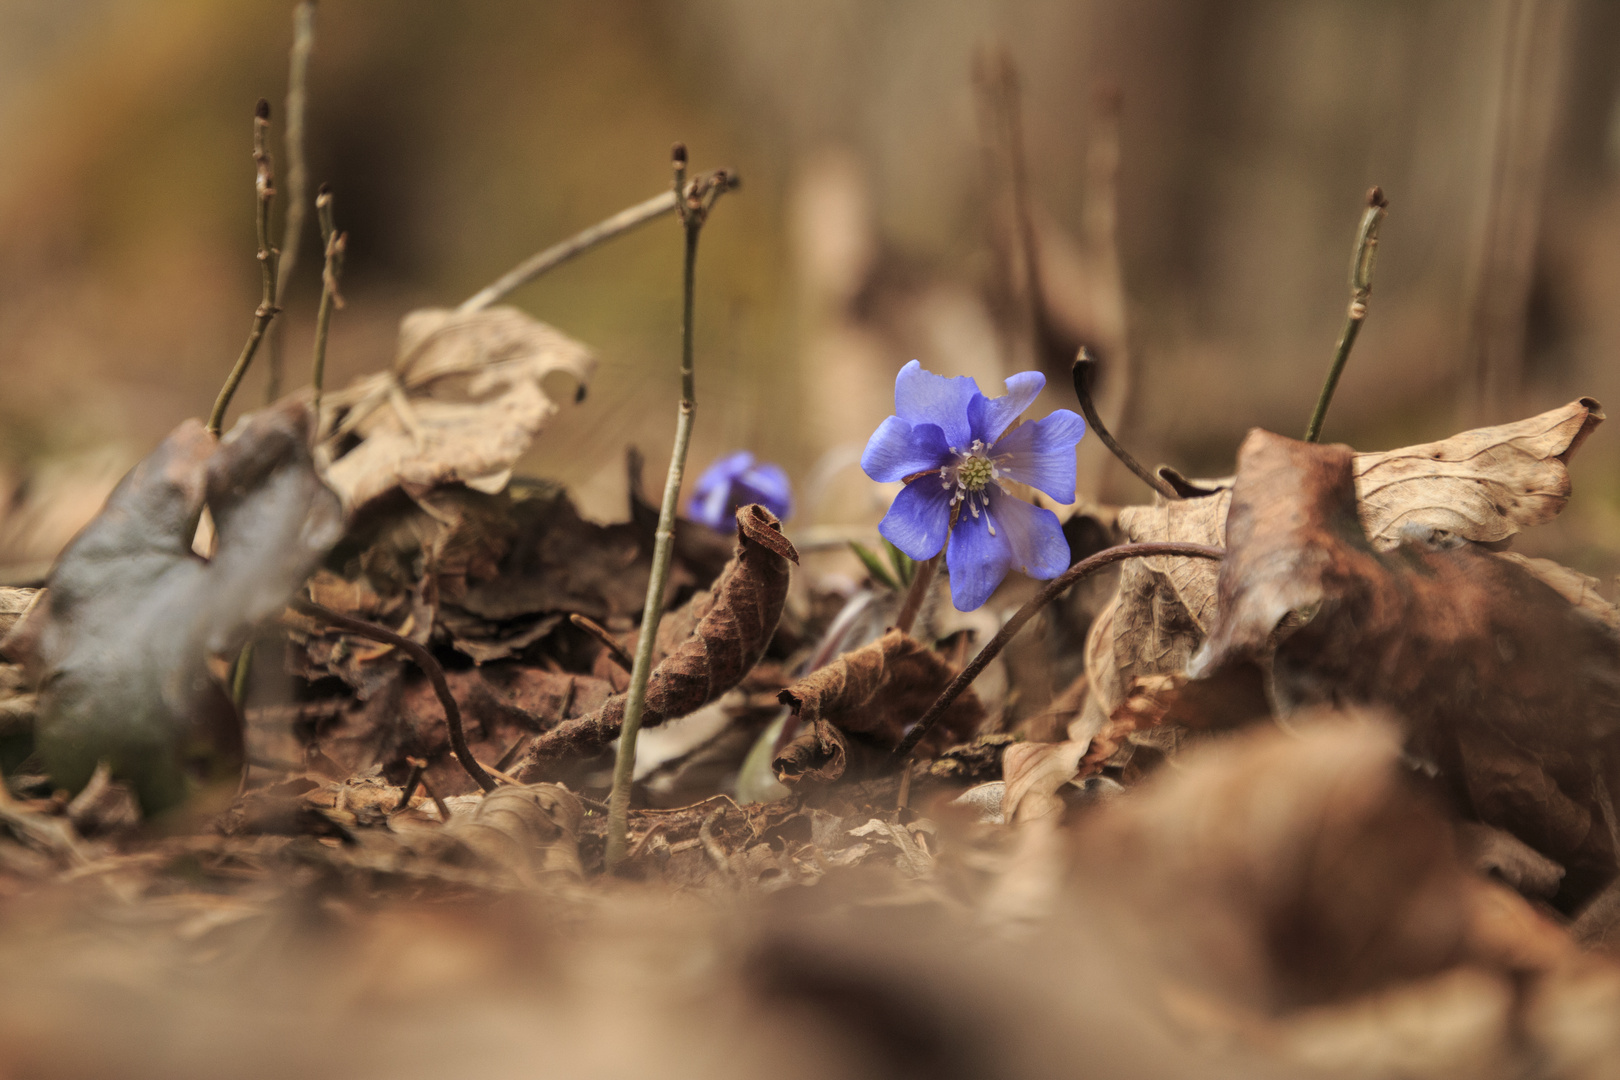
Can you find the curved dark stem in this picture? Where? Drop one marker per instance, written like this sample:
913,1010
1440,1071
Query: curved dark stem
424,660
1085,374
1054,588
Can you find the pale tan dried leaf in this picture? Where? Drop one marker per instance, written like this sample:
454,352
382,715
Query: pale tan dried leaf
1482,485
462,403
1035,773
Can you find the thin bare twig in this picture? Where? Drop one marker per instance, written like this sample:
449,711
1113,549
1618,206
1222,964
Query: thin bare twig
557,254
1361,268
418,767
336,243
264,186
292,229
695,200
424,660
1054,588
1085,377
607,640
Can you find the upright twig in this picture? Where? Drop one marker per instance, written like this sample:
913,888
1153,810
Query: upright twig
336,244
292,227
264,186
1054,588
559,253
430,667
693,200
1084,373
1361,268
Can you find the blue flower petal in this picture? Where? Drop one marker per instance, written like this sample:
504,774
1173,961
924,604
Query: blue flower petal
921,397
897,450
919,518
1042,454
1034,536
711,495
990,417
767,485
977,559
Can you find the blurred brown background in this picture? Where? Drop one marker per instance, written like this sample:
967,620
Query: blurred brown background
1201,241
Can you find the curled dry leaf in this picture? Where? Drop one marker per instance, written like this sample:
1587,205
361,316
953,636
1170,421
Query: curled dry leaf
462,403
876,692
529,831
1482,485
1035,772
1506,688
120,645
729,640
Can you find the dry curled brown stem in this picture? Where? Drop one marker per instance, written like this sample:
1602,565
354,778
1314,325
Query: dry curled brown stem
1084,568
429,665
729,640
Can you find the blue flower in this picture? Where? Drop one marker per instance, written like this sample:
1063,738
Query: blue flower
737,480
952,446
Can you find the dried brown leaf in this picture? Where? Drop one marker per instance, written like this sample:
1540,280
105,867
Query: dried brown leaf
1504,686
728,641
462,403
529,831
876,691
1482,485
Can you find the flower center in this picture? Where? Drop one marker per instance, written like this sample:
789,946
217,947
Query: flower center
974,473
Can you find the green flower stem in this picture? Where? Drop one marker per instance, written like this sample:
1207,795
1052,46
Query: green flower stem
1361,268
264,186
693,201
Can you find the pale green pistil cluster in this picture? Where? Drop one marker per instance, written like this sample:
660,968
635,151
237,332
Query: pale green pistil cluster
973,472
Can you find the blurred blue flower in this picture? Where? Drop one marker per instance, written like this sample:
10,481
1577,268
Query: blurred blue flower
952,446
737,480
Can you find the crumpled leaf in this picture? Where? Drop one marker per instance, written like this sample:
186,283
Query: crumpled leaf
462,403
120,644
530,832
1035,772
1482,485
1507,689
729,640
877,692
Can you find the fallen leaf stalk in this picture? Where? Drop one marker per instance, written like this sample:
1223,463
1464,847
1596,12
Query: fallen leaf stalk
1054,588
693,202
292,229
430,667
264,186
1361,268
